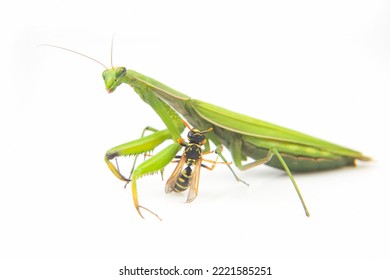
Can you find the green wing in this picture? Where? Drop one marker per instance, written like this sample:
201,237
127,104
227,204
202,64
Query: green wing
249,126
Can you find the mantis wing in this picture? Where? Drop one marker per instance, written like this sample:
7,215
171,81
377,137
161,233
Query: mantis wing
271,134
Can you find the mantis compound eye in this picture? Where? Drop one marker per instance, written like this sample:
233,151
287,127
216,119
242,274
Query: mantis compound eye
120,72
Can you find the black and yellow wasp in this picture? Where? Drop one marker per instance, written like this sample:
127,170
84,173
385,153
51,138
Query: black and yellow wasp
184,178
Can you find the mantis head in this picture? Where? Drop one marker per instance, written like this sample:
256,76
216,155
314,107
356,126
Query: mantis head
113,77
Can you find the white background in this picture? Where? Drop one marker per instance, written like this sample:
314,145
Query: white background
320,68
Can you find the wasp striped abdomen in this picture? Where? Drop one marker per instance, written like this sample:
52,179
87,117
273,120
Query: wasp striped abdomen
183,180
192,154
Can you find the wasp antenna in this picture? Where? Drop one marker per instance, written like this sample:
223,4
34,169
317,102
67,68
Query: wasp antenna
207,130
69,50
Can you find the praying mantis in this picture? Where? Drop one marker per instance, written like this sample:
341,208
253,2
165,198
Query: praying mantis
243,136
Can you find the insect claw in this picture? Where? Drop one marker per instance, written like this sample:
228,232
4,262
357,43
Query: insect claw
139,212
242,181
128,181
151,212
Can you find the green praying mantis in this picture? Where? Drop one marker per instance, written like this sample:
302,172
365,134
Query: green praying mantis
245,137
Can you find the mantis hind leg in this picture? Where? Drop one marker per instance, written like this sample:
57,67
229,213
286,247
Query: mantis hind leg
237,158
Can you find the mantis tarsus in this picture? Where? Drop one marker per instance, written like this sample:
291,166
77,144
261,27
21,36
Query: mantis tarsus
244,136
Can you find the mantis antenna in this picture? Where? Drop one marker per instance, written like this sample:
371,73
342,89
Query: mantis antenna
81,54
112,47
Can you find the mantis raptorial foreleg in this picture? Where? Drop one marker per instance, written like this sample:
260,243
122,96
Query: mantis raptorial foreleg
136,147
151,165
148,128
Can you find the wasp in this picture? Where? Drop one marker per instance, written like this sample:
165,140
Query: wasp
186,174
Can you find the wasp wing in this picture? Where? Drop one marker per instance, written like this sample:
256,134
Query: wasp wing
171,182
194,181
